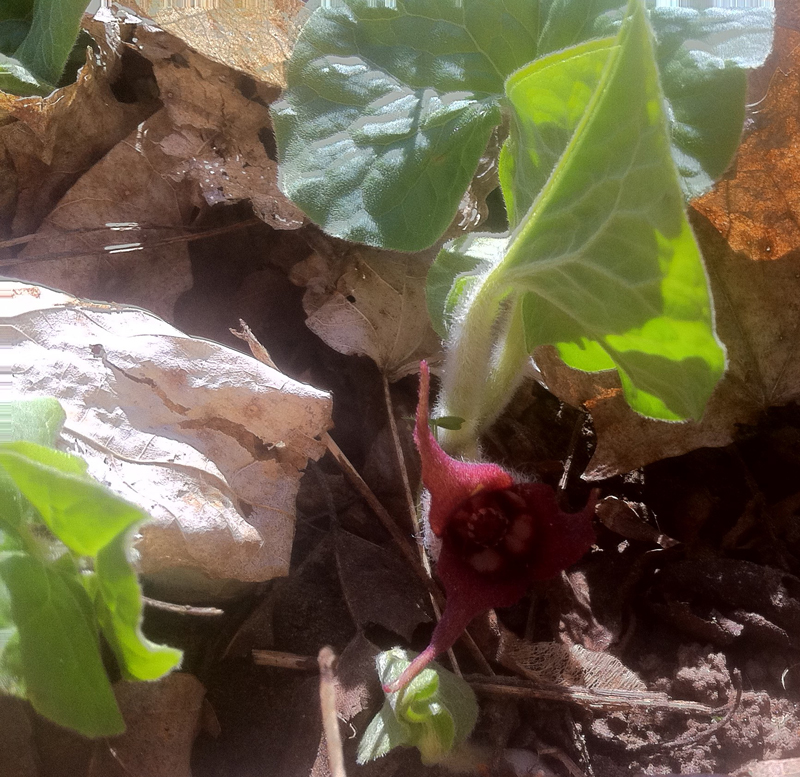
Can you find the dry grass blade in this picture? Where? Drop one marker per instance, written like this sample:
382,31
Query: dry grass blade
281,660
330,720
593,699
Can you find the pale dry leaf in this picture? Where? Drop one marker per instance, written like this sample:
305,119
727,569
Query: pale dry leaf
47,143
254,37
757,312
783,767
209,441
371,304
214,137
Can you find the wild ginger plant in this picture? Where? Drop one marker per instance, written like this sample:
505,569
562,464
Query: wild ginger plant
615,114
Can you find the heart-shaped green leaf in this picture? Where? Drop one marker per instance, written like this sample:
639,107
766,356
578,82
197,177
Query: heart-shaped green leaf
389,106
602,262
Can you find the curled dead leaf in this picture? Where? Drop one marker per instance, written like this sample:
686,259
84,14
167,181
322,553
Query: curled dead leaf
370,303
213,138
48,143
210,442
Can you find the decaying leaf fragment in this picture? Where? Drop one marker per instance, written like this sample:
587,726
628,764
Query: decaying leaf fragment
551,662
370,303
213,136
47,143
116,233
208,441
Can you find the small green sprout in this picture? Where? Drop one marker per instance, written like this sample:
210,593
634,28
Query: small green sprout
435,712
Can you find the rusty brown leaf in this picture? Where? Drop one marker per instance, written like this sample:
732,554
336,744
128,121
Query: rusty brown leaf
757,205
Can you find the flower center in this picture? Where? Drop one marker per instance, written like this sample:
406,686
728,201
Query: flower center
494,531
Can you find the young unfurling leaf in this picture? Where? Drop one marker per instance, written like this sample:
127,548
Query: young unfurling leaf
435,712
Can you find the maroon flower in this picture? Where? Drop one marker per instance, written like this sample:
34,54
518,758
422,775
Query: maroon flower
497,536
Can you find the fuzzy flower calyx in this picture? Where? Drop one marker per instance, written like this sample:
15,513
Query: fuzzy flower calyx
498,536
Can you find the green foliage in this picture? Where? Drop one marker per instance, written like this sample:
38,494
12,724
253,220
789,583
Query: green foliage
388,110
36,38
600,260
615,115
66,579
435,712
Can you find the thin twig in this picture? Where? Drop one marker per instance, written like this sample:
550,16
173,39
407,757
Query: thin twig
400,538
573,446
560,756
694,737
401,461
122,248
183,609
369,497
330,720
281,660
586,697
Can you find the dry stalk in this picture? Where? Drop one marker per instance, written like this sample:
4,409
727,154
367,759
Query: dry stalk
330,720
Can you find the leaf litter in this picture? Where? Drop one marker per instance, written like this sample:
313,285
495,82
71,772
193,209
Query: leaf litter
647,614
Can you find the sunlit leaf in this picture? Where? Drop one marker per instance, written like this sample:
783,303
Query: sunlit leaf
84,515
602,262
433,713
64,675
119,610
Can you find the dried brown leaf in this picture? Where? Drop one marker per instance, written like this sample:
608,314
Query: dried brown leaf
254,37
379,587
371,304
208,441
213,138
202,148
126,186
48,143
162,720
550,662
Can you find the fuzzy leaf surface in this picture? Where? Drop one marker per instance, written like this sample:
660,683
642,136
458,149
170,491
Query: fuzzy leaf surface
602,259
434,712
51,36
388,109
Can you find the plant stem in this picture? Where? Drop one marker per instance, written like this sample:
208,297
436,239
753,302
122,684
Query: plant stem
467,368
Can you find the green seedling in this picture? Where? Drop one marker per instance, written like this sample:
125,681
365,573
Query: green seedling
66,580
